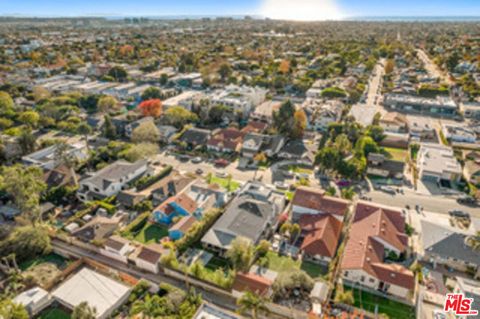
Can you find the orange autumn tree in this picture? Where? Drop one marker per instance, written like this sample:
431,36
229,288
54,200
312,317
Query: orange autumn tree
152,107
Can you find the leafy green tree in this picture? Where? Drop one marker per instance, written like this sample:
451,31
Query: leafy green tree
151,93
376,132
27,141
84,129
328,158
146,132
25,184
109,130
65,156
26,242
342,144
107,104
217,113
283,119
241,254
253,303
84,311
29,118
299,124
118,73
225,71
179,116
11,310
6,102
140,151
262,248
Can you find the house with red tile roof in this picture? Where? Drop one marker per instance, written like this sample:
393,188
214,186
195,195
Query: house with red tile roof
178,205
377,233
319,237
251,282
313,201
226,140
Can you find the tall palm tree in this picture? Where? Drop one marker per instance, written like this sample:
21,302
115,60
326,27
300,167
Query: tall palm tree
254,303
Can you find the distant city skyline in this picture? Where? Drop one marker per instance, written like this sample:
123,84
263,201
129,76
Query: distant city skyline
277,9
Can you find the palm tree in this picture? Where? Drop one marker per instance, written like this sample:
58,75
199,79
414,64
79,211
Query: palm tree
84,311
474,241
254,303
148,307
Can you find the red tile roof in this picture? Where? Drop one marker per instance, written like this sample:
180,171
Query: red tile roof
182,200
321,234
364,250
255,127
229,138
184,224
316,199
252,282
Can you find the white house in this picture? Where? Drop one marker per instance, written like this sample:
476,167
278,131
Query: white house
437,162
459,133
34,300
117,248
187,100
46,158
242,99
110,180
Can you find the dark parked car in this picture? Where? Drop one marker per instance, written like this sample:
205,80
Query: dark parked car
459,213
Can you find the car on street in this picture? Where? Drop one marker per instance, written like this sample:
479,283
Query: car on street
388,189
281,185
199,171
221,174
459,213
196,160
221,162
184,158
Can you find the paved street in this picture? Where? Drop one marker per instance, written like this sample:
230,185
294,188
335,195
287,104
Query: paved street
375,86
438,204
432,68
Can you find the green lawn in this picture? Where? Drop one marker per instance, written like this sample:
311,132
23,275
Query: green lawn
51,258
396,154
299,169
216,262
284,264
394,310
230,185
55,313
151,233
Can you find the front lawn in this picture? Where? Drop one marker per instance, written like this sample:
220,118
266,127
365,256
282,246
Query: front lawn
396,154
228,184
151,233
393,309
314,270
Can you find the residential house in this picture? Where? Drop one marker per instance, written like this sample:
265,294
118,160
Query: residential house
443,245
376,235
471,171
167,133
252,215
421,128
437,163
472,110
439,106
59,176
148,257
301,151
168,186
118,248
255,127
195,137
253,283
227,140
313,201
457,133
47,158
363,114
180,205
394,122
378,165
110,180
98,229
189,100
319,237
241,99
321,114
264,112
34,300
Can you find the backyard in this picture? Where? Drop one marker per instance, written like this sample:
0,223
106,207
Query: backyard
53,313
393,309
151,233
284,264
43,269
396,154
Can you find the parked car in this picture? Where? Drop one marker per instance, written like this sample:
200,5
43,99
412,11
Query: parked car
221,162
199,171
459,213
196,160
281,185
467,200
221,174
388,189
184,158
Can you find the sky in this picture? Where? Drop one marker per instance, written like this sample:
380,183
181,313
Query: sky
277,9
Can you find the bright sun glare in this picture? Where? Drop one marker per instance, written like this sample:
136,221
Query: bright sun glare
301,10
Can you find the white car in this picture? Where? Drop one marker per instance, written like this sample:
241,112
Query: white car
221,174
196,160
